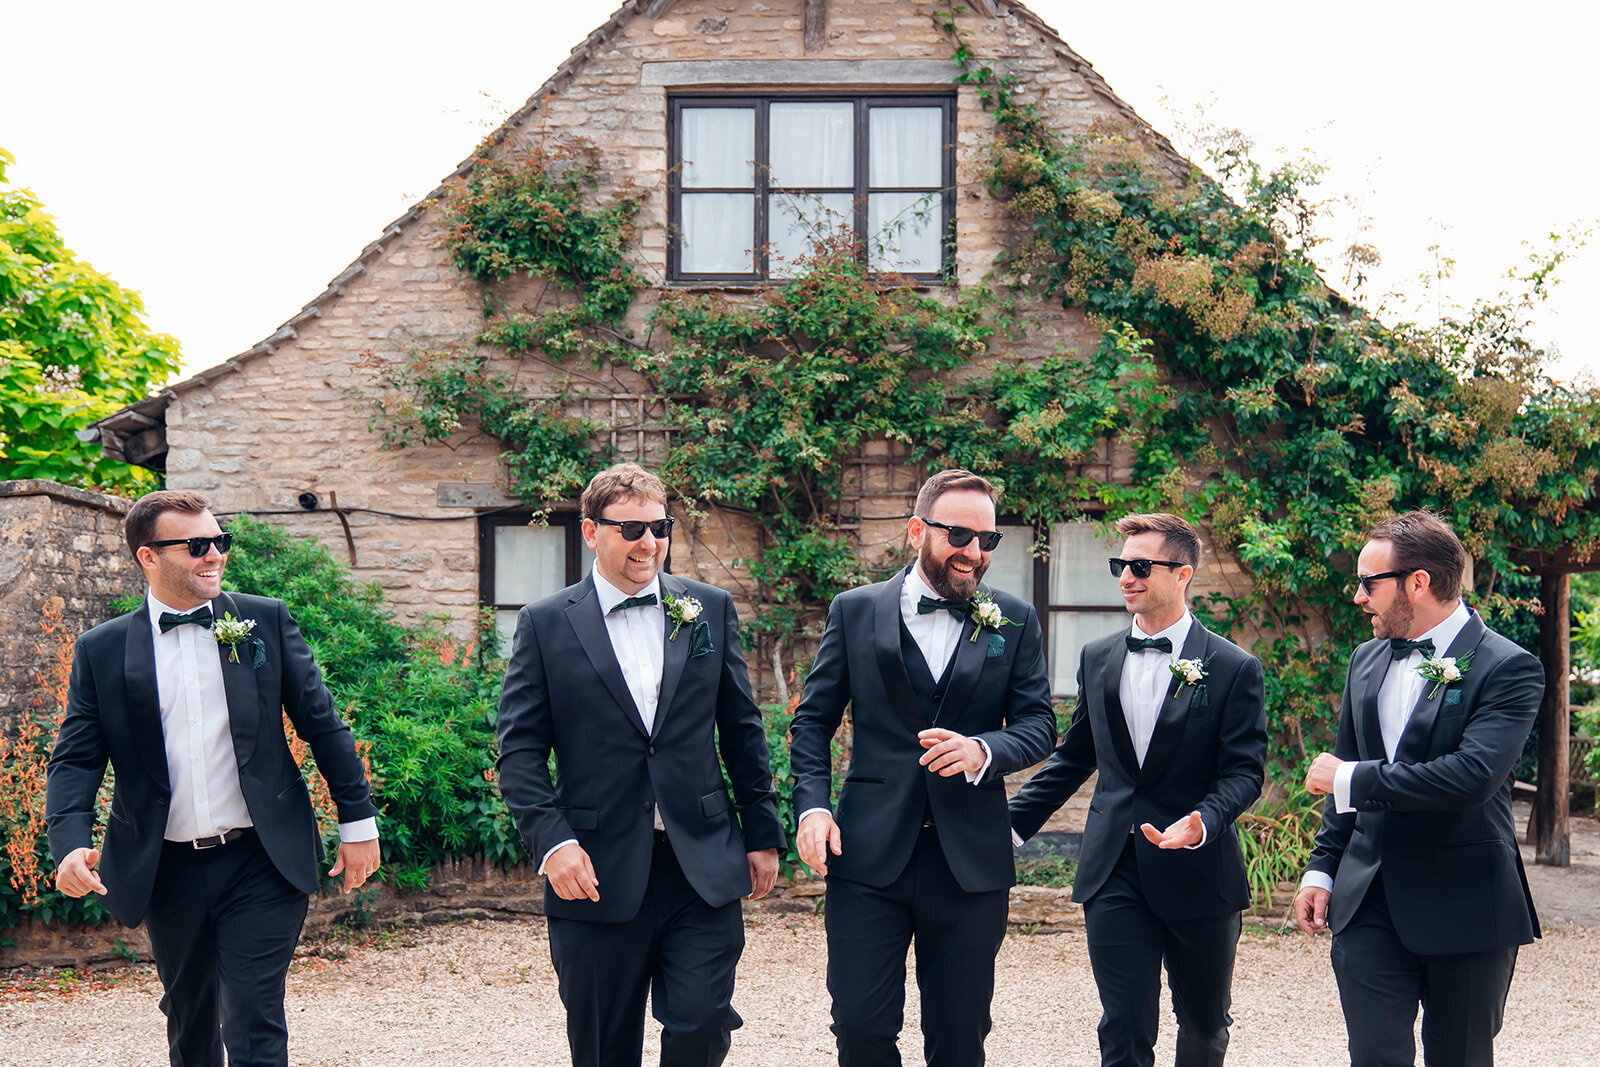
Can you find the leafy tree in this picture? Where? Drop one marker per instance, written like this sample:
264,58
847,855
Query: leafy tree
73,348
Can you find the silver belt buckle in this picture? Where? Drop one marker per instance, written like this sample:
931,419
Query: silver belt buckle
214,841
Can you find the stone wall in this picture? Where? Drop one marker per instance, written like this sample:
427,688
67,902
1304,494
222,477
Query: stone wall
63,547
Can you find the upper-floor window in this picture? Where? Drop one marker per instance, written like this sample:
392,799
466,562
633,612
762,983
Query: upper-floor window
756,181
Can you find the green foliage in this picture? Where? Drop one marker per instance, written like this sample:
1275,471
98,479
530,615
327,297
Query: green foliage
73,348
1277,836
1058,872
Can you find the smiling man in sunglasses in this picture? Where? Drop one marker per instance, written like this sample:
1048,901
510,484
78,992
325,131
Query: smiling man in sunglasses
634,679
1173,717
946,684
212,842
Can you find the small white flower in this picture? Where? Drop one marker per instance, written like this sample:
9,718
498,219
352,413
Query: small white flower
1187,672
230,631
1442,670
987,614
681,610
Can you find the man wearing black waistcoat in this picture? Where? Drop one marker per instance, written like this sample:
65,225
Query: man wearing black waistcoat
212,842
1416,867
1174,719
634,679
946,683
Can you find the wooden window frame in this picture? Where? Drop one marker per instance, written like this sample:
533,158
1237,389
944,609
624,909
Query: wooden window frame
487,524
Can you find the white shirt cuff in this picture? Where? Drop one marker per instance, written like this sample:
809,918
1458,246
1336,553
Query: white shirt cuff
1205,835
360,830
988,758
1016,839
1316,880
560,845
810,811
1341,787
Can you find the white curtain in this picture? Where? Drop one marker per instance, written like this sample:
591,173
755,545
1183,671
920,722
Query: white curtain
904,230
529,563
719,147
718,233
812,144
1079,573
1011,565
1069,632
798,222
907,147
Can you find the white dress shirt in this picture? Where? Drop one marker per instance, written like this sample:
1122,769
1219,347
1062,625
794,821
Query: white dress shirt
1397,698
202,771
638,637
1146,679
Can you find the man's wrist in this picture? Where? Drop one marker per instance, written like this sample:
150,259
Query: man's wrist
812,811
552,851
1341,786
1316,880
351,833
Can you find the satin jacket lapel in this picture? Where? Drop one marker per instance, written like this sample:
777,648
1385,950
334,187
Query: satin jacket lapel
584,616
969,656
245,713
891,665
1413,747
1174,709
675,653
1111,701
143,699
1369,728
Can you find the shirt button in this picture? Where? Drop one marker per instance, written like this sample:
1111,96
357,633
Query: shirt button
191,681
194,718
185,642
197,759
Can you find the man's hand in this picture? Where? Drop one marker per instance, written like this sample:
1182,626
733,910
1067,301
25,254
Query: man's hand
358,860
950,753
1319,779
1311,908
570,873
763,872
75,877
1189,830
817,835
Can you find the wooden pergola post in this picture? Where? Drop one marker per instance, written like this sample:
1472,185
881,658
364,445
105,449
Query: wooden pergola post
1549,828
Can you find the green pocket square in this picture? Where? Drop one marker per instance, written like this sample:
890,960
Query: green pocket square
1452,697
258,653
700,640
997,647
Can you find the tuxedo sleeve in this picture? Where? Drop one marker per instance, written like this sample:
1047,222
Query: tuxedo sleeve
1241,751
77,764
1333,837
526,735
1068,767
1491,742
743,742
816,719
1030,721
310,708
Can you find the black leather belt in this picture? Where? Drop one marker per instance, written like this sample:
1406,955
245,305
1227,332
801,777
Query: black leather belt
214,841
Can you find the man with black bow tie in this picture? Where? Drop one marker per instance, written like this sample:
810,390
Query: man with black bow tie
1416,867
634,679
212,841
1174,719
946,683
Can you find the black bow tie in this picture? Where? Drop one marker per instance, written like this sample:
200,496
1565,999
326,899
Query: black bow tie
199,616
961,609
1400,649
648,600
1146,644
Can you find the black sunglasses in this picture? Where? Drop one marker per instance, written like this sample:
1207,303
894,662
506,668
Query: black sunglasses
198,546
633,529
1365,580
961,536
1140,567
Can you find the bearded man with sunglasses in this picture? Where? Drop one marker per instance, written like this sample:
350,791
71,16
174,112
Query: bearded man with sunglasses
1416,868
1173,717
945,679
212,842
634,680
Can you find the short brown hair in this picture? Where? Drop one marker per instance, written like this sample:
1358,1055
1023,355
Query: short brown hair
620,482
139,525
1422,542
1179,540
949,481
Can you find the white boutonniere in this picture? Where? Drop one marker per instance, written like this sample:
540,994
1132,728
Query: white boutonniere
1188,672
682,610
230,631
986,615
1442,670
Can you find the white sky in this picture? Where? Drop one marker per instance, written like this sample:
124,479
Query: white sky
227,160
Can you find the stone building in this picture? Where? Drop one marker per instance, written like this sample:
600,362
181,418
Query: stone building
282,429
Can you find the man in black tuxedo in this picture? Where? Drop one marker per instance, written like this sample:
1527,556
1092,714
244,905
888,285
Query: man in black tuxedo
634,678
1174,719
212,842
1416,866
948,693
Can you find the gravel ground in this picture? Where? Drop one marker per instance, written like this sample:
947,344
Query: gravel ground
483,992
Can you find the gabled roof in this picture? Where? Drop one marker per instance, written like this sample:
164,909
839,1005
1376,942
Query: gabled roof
117,430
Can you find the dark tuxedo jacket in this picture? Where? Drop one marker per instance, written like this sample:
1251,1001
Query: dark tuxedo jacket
1437,820
1002,698
564,693
113,713
1206,754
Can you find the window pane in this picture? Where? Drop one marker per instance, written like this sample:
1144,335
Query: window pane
907,147
719,147
529,563
1011,565
904,231
813,144
1069,632
505,623
718,233
1078,571
799,221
